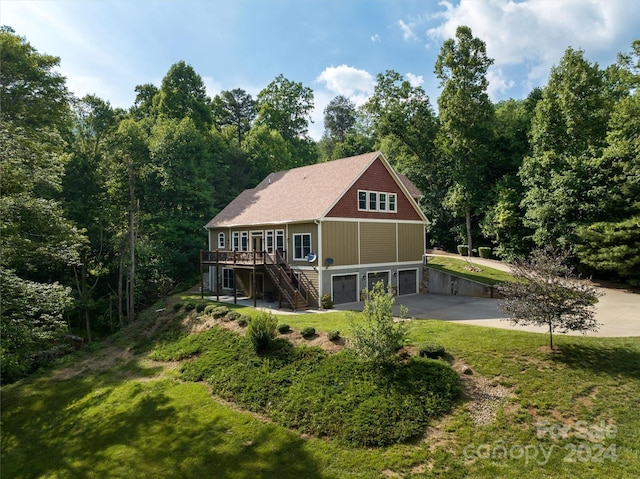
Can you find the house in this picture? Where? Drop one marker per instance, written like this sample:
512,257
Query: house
331,228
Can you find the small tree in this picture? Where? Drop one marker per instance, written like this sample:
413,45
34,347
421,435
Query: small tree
378,337
546,292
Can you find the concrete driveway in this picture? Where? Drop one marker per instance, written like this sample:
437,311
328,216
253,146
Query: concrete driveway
618,312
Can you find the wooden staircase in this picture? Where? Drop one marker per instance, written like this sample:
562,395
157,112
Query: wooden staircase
293,286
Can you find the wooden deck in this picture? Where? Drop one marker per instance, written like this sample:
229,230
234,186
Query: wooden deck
236,258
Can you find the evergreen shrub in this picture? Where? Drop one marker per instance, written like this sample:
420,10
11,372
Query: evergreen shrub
308,332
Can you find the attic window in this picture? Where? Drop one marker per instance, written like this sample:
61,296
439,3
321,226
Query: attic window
362,200
392,202
377,201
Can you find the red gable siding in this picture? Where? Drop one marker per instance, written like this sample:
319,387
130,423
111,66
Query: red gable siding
376,178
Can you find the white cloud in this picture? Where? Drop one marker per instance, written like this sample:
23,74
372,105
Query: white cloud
498,83
375,38
407,31
212,86
415,80
536,33
347,81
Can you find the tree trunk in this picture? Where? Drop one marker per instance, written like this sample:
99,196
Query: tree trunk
132,248
469,243
119,294
87,322
550,336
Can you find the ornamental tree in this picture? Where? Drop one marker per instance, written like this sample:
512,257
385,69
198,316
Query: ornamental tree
545,292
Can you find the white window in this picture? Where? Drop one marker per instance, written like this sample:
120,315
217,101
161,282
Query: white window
362,200
221,241
269,241
236,241
301,246
244,246
373,201
382,201
280,240
227,278
392,202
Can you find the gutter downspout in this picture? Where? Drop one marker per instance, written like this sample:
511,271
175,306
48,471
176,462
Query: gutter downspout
320,260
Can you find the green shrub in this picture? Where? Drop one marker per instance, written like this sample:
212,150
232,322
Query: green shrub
209,309
177,306
463,250
190,306
243,320
333,335
232,316
219,311
308,332
431,349
261,331
484,252
283,328
326,302
200,307
378,337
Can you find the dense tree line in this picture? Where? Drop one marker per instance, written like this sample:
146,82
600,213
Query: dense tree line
103,208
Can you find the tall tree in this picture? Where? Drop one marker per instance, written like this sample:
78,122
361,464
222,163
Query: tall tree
611,245
466,121
339,117
286,106
129,155
503,219
568,130
37,240
183,94
179,197
235,108
84,194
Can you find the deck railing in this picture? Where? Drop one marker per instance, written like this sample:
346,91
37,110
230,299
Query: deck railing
233,257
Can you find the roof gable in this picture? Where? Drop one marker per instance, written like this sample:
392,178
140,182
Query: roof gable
379,176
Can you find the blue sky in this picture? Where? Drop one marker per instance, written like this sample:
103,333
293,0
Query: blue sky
107,47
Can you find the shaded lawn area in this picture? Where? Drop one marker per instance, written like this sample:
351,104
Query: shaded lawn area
136,419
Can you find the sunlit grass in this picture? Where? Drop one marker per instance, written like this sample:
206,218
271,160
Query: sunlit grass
487,275
135,420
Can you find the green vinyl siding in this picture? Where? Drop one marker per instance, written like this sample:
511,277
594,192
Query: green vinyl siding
410,242
377,243
340,242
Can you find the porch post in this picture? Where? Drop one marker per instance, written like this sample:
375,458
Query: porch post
201,280
216,272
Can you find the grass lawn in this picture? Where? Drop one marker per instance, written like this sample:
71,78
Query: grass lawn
116,413
459,266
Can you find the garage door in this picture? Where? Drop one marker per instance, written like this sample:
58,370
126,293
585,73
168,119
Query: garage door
408,281
345,289
373,278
